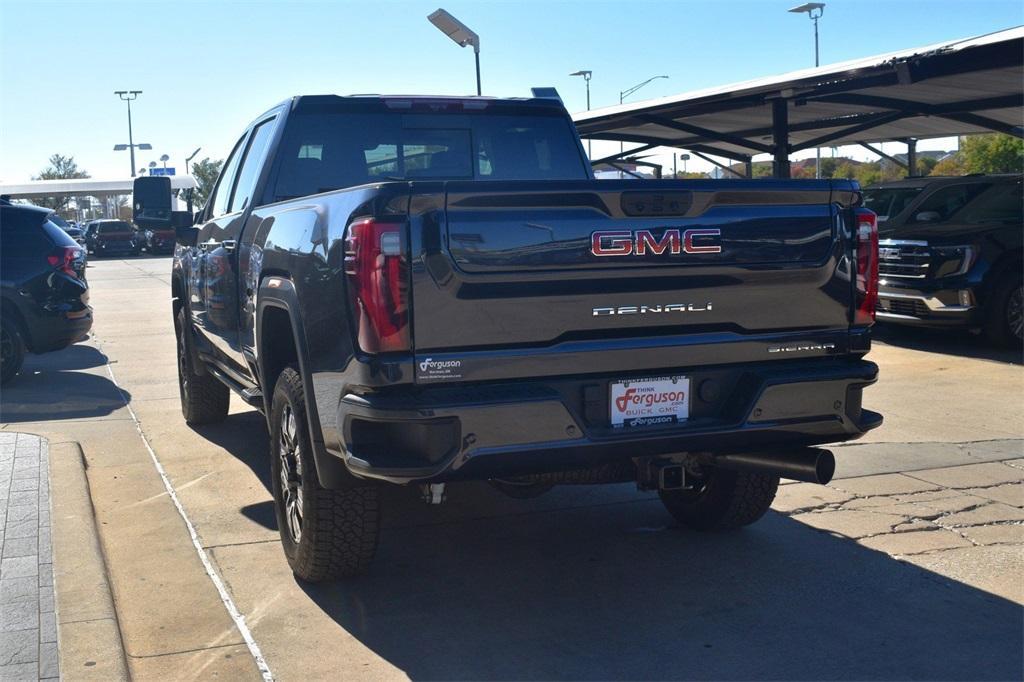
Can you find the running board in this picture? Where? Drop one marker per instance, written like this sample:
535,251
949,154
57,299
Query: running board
252,395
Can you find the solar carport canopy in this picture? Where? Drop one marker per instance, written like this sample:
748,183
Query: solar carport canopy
967,86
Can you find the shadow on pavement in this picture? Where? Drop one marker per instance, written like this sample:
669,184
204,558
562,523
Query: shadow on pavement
244,436
615,591
949,341
53,386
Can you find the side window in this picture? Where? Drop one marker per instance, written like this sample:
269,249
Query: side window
259,142
222,194
946,201
1004,203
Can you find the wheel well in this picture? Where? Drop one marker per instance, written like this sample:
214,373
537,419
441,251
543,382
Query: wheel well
1007,264
276,348
10,310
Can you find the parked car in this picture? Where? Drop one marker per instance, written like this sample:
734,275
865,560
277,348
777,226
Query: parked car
422,290
950,253
44,298
111,238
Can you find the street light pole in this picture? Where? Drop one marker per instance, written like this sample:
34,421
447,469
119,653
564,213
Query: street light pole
460,34
128,96
629,91
814,10
189,160
586,77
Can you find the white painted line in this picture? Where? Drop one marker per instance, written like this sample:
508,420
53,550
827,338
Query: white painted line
229,603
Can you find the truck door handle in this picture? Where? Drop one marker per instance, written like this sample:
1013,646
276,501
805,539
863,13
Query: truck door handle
228,244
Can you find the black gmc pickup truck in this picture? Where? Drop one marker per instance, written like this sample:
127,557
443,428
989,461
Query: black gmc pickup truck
421,290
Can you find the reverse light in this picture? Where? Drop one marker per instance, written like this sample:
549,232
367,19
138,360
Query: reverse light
378,278
867,267
63,259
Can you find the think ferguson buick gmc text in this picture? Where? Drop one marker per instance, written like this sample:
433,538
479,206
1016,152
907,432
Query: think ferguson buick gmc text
421,290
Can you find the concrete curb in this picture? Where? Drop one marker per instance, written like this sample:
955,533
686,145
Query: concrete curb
88,632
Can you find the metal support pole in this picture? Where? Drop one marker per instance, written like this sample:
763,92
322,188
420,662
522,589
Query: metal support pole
750,169
131,142
590,151
476,54
911,157
817,150
780,138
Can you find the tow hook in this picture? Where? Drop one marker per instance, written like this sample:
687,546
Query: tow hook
433,493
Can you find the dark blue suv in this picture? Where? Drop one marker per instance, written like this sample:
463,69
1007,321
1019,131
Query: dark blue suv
44,298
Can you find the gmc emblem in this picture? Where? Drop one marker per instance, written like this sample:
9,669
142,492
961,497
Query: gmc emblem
642,242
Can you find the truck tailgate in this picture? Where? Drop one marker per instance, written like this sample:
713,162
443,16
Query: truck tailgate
512,274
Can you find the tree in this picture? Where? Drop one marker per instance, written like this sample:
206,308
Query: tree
951,165
994,153
60,168
206,173
926,164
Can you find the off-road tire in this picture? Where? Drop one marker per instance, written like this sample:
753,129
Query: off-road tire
12,348
1004,310
338,529
204,399
723,501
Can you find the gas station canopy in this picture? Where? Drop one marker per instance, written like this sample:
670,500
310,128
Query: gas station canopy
966,86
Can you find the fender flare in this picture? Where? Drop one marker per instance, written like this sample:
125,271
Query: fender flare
279,292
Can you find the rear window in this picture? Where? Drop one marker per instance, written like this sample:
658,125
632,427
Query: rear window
323,151
114,228
57,235
888,203
22,233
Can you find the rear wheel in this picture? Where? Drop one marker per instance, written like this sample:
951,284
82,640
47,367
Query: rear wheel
1005,317
12,349
722,499
204,399
326,534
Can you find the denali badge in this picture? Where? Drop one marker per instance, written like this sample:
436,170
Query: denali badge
645,309
801,347
642,242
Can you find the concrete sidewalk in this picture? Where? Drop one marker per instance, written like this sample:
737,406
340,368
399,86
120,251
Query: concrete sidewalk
28,624
965,522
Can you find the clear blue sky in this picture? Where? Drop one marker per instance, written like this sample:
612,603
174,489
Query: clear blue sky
206,69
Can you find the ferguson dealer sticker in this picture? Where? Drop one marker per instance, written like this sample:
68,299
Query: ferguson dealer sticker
440,369
645,402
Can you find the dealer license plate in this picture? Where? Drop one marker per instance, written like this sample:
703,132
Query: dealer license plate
647,402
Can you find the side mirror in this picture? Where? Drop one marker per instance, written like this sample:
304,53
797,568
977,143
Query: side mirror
151,201
184,233
928,217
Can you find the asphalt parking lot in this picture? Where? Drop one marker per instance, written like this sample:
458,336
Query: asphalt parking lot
907,566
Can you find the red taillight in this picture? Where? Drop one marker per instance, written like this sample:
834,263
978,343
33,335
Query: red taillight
378,278
867,267
63,259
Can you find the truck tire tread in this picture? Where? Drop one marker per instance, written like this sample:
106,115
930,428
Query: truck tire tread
206,400
341,527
